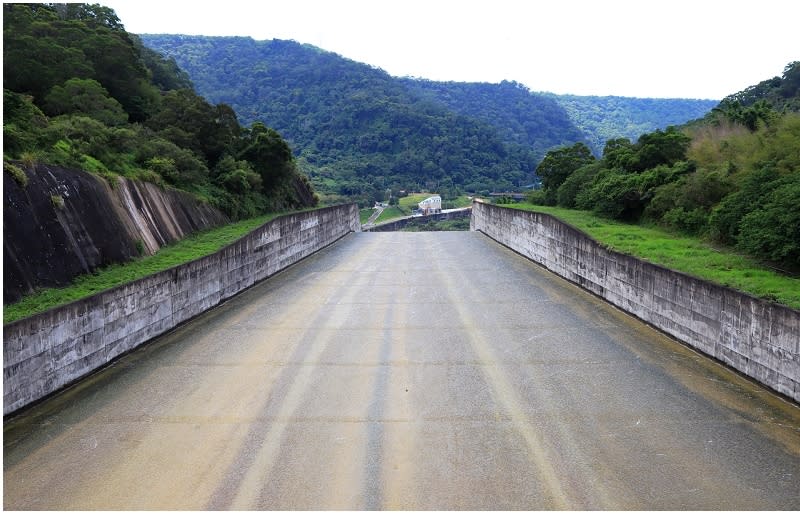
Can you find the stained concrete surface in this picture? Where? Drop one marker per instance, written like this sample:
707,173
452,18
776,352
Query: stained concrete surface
409,371
757,337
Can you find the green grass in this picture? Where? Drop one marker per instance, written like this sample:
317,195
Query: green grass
390,213
364,214
682,253
409,203
457,203
185,250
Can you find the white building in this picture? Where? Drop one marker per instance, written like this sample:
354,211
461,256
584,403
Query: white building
431,205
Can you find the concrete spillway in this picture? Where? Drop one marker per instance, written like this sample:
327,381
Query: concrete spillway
409,371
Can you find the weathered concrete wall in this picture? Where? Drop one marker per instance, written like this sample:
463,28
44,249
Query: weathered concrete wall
48,351
47,243
759,338
392,226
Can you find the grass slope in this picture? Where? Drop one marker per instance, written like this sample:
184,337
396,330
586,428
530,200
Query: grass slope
682,253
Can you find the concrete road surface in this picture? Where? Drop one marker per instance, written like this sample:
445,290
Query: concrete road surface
409,371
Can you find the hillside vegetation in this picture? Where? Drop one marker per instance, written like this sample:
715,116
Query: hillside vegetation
362,131
603,118
359,130
546,120
518,116
81,92
732,177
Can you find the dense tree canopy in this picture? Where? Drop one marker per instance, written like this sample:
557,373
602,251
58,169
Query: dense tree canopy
559,164
362,131
519,116
85,97
733,176
357,129
603,118
79,91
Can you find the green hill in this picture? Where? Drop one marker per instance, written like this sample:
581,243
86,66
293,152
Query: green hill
363,131
519,116
732,177
80,92
610,117
360,130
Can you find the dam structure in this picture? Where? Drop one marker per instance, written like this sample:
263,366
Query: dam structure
404,370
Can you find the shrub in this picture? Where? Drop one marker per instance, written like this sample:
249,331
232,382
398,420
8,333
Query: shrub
57,201
613,194
536,197
693,221
17,173
773,231
30,160
728,214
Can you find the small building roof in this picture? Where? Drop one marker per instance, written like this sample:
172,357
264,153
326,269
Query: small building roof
431,199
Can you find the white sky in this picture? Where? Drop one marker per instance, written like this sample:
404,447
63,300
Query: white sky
644,48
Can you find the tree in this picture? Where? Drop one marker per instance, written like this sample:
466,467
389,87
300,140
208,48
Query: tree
760,112
618,153
236,176
558,164
78,64
22,123
773,231
659,147
726,217
46,45
166,74
94,15
579,180
188,120
790,86
34,63
85,97
268,152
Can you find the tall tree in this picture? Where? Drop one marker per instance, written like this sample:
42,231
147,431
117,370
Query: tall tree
85,97
559,164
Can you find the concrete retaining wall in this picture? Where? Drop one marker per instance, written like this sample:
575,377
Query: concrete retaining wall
43,353
759,338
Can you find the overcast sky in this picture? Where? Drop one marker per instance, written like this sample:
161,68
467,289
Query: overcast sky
643,48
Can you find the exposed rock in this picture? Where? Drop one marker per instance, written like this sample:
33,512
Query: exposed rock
67,222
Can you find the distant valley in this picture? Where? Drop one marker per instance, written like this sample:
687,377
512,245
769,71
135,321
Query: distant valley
357,131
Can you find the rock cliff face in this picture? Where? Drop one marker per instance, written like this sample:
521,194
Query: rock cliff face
67,222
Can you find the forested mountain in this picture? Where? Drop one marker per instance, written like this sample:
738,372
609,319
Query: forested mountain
363,131
81,92
733,176
781,93
609,117
545,120
518,115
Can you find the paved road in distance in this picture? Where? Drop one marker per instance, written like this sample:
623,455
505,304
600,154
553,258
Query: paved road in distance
409,371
